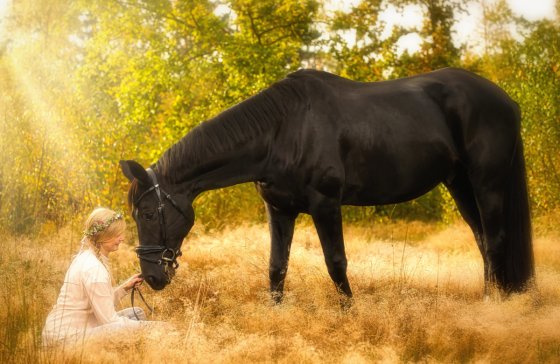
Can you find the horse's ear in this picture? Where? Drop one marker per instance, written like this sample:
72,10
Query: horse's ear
126,170
132,169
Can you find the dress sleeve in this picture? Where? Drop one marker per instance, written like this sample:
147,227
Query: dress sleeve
119,294
97,285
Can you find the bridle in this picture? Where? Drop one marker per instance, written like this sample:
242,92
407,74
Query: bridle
168,255
137,289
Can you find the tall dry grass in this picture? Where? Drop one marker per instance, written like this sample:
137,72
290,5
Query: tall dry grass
418,298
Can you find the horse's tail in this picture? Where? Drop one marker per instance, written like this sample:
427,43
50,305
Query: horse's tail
518,266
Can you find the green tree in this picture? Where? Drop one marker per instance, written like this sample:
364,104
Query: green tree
530,72
356,44
86,83
166,66
437,49
265,43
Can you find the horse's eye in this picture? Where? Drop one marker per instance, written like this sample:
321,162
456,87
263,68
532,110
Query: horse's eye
148,215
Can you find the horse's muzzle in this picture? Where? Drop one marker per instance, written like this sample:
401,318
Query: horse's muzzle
156,284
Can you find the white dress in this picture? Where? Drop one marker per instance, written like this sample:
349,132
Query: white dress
86,302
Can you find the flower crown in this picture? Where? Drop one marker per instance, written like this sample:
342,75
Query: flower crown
99,226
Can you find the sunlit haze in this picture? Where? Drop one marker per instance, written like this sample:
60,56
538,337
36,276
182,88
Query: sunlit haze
4,6
533,10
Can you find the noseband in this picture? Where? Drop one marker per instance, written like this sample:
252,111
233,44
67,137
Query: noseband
167,255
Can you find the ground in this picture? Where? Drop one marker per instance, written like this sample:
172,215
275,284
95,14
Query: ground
417,298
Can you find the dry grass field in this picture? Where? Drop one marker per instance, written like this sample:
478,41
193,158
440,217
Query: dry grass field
417,287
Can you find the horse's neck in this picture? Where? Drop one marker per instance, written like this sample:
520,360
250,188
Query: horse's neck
232,147
240,166
200,163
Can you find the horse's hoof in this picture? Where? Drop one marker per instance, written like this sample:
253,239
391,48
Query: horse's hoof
346,303
277,297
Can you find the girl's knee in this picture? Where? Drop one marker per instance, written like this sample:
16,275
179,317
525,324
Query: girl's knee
133,313
140,314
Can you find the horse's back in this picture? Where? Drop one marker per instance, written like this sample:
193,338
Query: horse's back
449,100
415,130
446,81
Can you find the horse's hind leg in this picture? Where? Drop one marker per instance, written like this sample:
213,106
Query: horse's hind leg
490,194
281,225
462,192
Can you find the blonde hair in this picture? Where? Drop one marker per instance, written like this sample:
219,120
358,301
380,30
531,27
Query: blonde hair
100,217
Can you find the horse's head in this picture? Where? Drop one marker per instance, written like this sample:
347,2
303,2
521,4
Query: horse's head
163,219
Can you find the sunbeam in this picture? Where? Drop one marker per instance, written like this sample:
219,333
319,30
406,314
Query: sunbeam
43,87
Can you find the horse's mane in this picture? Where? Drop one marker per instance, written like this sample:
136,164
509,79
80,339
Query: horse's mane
132,191
231,129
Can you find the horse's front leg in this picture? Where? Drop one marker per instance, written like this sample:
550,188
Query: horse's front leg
327,218
281,225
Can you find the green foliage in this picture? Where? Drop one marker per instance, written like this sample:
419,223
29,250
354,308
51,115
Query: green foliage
87,83
530,73
145,80
367,56
373,56
265,43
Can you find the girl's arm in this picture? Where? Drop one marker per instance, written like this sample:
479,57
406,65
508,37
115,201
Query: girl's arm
97,286
124,288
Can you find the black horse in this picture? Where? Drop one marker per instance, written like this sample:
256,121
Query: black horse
315,141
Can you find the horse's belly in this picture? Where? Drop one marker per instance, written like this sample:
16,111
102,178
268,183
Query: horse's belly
375,194
384,178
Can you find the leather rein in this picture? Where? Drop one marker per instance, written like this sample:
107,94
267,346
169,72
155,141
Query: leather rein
167,256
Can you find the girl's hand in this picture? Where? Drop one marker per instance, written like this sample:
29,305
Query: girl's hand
134,281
